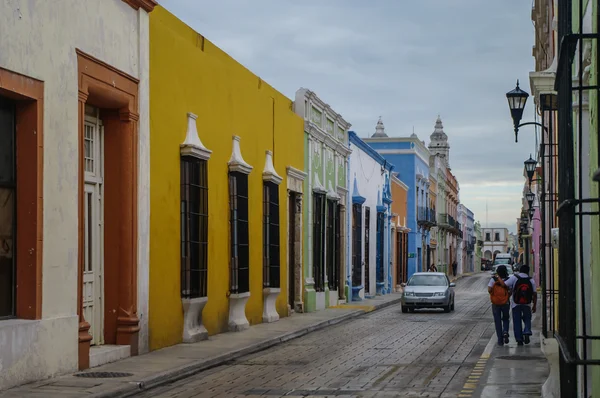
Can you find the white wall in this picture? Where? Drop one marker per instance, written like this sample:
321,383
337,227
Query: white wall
39,39
370,181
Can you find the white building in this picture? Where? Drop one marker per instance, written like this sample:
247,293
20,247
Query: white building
495,240
71,73
369,221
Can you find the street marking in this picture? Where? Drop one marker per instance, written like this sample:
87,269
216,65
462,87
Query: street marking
366,308
434,373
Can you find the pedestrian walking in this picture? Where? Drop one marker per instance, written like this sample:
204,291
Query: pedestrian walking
454,267
432,268
523,296
500,298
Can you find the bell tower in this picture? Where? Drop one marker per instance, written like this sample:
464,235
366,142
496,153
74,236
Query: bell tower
439,142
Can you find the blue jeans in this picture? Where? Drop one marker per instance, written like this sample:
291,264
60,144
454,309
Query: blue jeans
521,314
501,319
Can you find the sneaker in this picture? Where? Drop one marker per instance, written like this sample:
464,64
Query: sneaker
526,337
505,338
519,343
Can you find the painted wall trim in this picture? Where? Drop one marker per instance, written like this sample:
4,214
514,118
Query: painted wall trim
295,173
237,162
146,5
192,146
269,173
375,155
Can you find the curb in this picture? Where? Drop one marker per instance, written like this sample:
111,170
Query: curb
185,371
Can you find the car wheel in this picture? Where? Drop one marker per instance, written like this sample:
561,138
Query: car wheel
452,307
404,309
411,310
447,308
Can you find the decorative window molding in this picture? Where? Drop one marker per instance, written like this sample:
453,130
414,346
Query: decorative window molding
331,193
192,146
236,162
318,188
239,277
295,173
269,173
356,196
319,241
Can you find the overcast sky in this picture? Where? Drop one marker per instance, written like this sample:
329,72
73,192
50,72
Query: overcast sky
404,60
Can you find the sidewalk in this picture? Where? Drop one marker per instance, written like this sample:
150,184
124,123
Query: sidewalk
510,370
183,360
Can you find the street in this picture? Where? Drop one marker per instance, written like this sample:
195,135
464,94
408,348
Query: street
385,354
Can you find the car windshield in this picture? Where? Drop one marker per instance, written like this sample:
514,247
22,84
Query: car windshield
502,261
427,280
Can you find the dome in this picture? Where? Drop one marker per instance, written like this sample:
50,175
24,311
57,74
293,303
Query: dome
379,129
438,132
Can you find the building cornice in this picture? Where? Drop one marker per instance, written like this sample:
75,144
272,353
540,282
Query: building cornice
363,146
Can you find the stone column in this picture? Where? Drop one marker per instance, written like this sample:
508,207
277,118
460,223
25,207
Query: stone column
298,278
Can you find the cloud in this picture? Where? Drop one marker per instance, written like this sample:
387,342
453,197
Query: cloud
406,61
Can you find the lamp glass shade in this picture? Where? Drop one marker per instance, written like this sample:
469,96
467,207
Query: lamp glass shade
530,198
517,99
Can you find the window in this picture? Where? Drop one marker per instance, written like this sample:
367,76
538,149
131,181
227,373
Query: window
399,257
380,244
367,255
194,227
8,184
487,236
333,247
271,260
356,244
318,241
239,278
497,236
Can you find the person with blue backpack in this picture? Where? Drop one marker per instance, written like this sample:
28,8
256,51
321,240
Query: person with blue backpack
524,294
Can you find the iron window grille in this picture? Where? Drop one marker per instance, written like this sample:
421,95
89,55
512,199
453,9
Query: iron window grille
239,278
367,252
319,241
333,247
575,210
356,244
8,209
271,252
194,227
380,244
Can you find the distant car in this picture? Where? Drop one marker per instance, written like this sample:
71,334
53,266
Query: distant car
509,269
428,290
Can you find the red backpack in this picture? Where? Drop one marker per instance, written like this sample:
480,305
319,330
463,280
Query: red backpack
499,294
523,291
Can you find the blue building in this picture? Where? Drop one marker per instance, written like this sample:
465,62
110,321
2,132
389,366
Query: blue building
410,158
369,221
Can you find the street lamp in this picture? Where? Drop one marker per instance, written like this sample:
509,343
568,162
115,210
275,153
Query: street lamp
531,213
530,198
516,102
530,168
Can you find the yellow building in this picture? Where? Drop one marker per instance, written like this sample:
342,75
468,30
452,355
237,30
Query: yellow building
218,135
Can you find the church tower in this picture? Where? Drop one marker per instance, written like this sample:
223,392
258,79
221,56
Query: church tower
439,142
379,130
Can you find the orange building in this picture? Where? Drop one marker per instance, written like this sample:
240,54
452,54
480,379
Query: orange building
399,231
452,202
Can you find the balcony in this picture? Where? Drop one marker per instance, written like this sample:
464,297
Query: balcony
443,221
426,217
470,247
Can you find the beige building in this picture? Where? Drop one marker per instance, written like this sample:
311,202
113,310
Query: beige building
495,240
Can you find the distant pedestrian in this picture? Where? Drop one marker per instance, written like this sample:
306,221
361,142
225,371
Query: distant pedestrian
454,267
432,268
500,298
524,294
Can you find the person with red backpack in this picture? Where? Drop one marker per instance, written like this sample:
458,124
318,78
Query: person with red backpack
500,298
524,294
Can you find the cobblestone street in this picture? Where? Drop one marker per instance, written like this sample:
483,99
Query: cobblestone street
385,354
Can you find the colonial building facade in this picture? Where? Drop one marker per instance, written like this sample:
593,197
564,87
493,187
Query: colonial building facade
400,232
370,221
74,191
326,158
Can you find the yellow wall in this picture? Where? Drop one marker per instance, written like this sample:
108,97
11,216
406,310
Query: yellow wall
190,74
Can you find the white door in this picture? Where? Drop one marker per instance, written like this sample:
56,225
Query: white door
93,275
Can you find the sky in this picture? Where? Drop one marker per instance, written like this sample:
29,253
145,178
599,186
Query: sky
404,60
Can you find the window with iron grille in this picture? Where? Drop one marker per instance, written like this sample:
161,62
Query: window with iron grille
239,277
380,245
194,227
271,260
367,254
8,185
356,244
399,257
319,241
333,234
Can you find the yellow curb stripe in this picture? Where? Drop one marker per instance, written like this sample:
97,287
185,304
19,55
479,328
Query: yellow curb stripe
366,308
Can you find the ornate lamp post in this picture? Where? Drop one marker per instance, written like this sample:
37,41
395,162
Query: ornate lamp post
517,99
530,198
530,168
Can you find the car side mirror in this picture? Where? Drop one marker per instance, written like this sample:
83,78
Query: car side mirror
453,284
403,284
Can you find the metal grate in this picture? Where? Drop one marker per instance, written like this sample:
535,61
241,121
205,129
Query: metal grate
367,253
380,237
194,227
319,241
271,253
238,219
356,244
103,375
333,244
